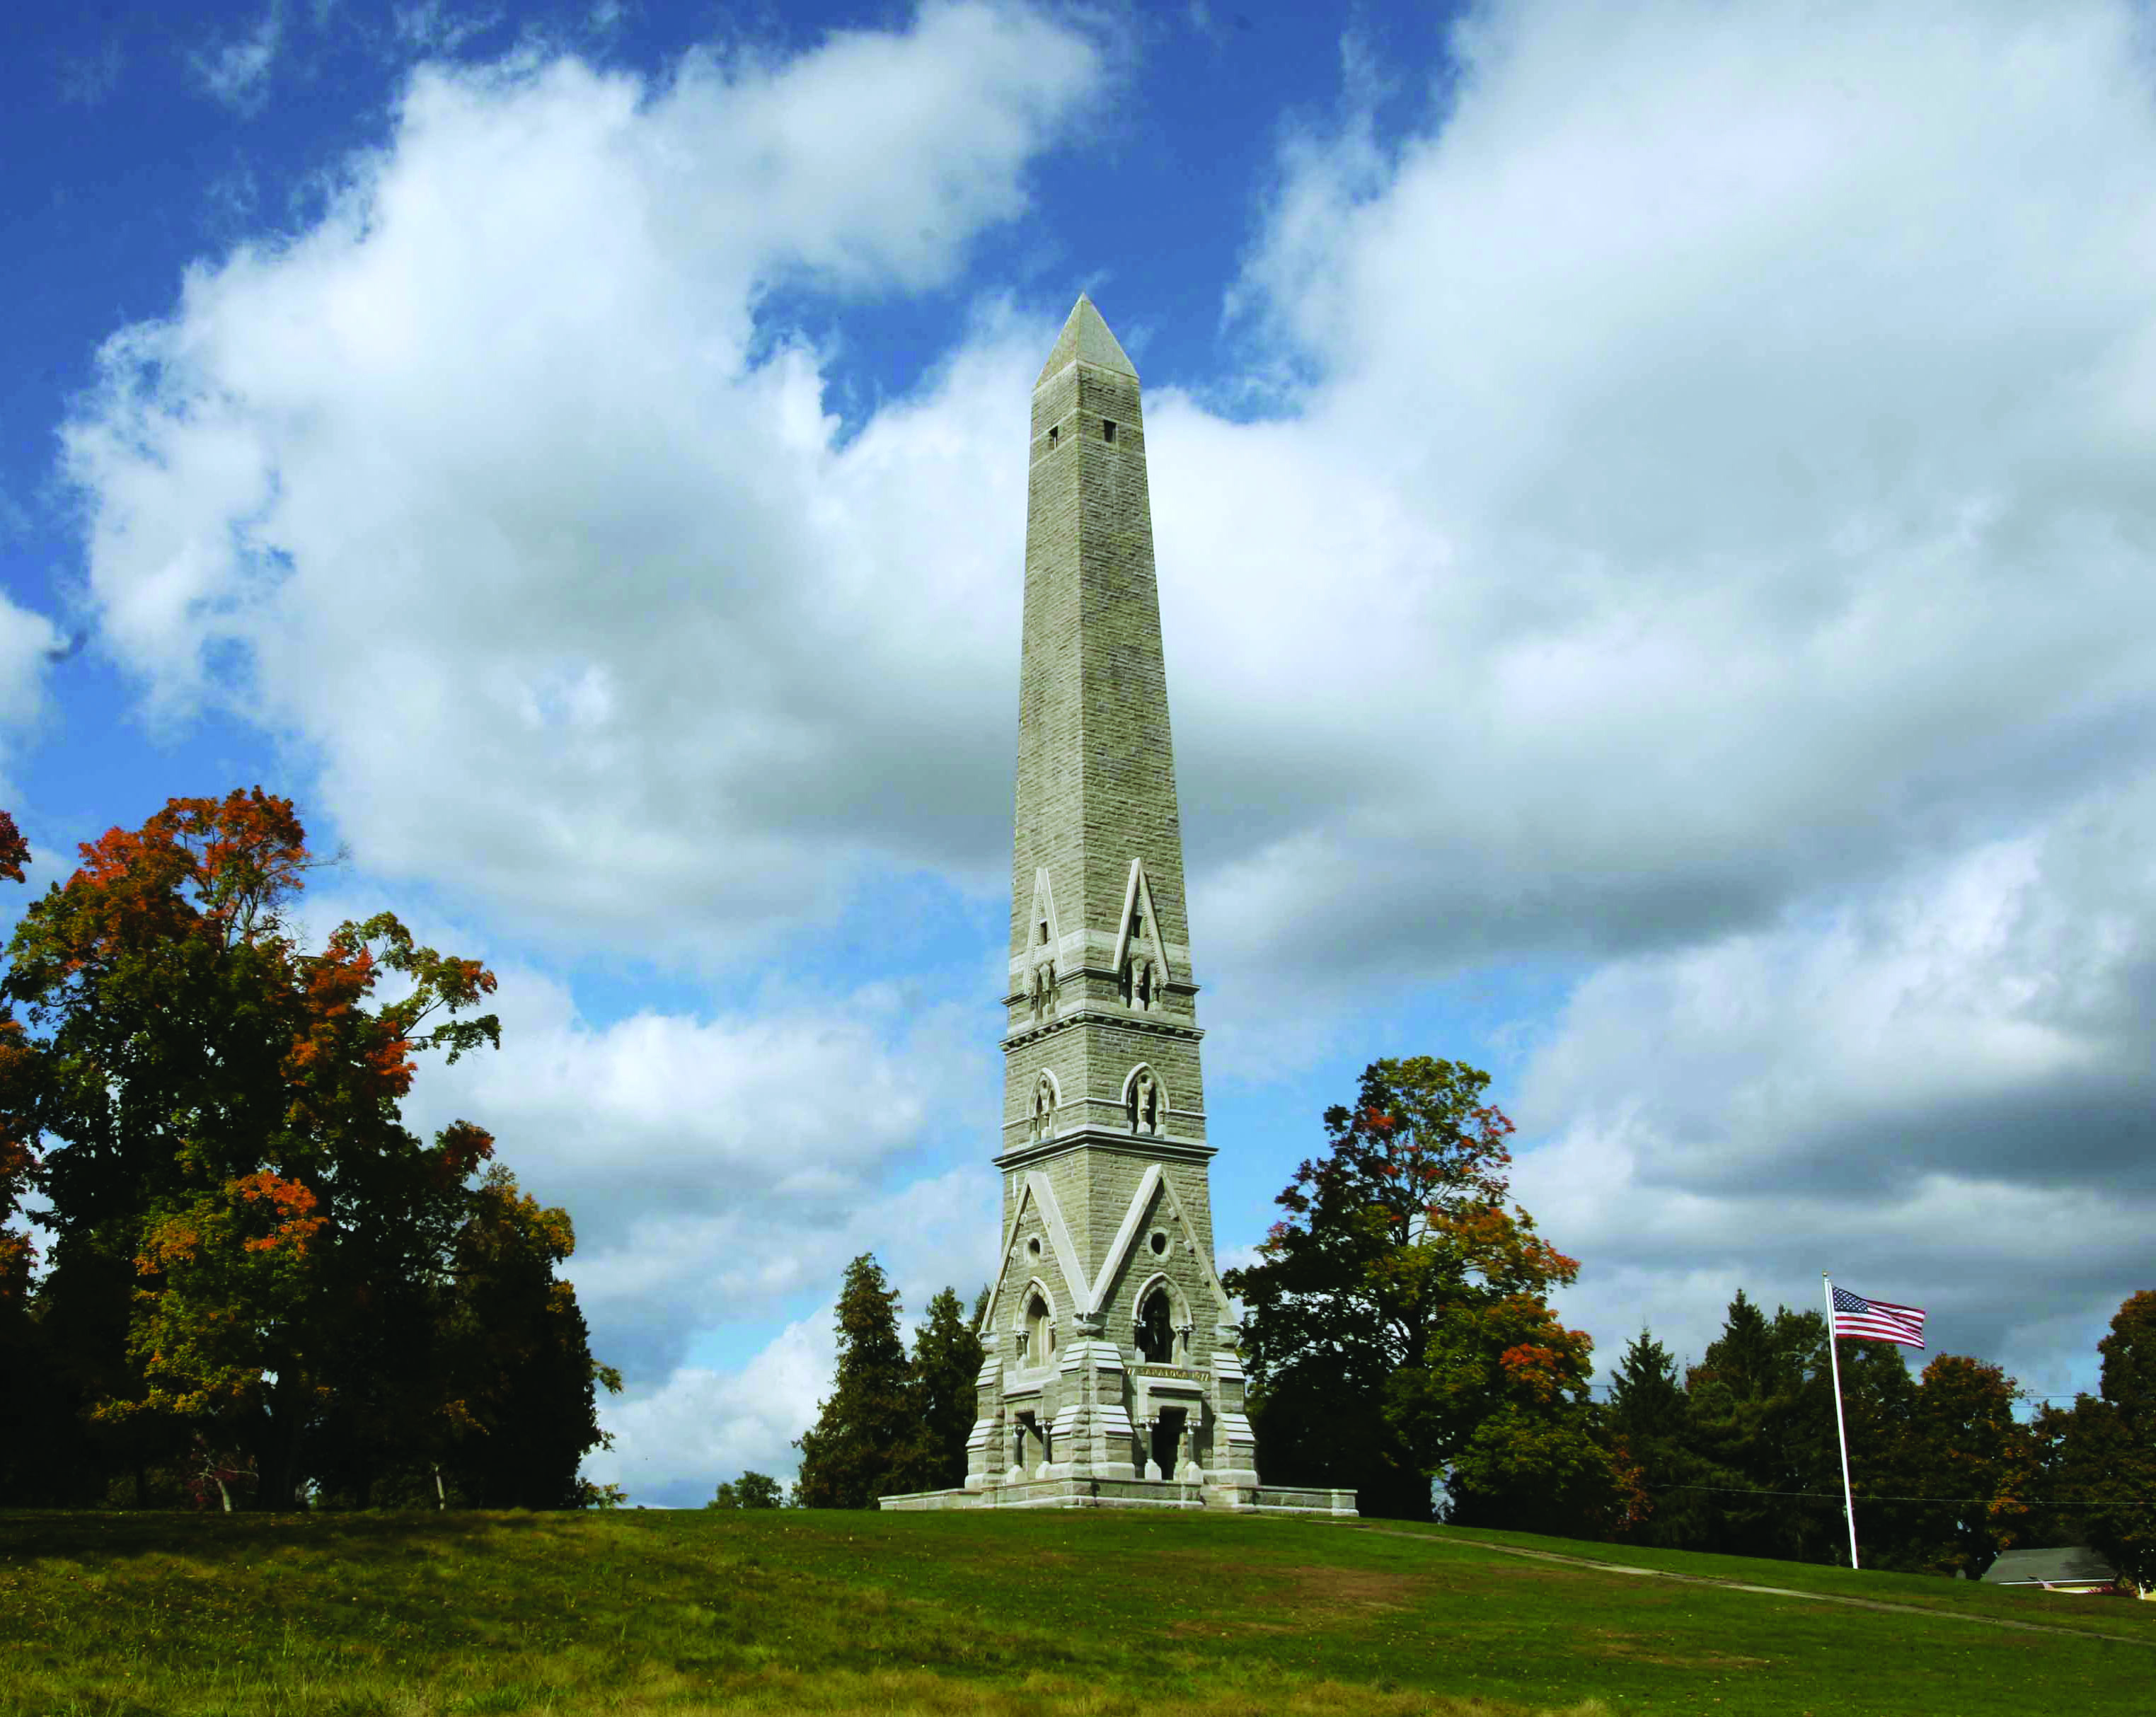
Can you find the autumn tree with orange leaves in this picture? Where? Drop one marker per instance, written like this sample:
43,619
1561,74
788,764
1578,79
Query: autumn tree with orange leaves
1397,1328
251,1254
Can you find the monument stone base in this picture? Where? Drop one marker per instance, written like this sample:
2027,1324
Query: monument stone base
1132,1494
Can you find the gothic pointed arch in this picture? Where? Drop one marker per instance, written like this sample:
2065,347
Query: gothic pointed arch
1043,930
1140,958
1037,1240
1047,1098
1144,1099
1155,1206
1037,1324
1044,936
1160,1321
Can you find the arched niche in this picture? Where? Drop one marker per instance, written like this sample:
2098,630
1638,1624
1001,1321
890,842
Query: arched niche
1047,1098
1036,1324
1160,1322
1145,1099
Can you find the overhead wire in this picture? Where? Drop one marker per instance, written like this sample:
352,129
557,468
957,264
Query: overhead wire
2032,1502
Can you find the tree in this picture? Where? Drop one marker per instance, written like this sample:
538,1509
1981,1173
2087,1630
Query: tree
33,1412
2102,1452
752,1490
1940,1469
1500,1404
866,1439
521,1383
1742,1457
217,1472
1762,1433
250,1248
1648,1422
2129,1364
947,1357
1396,1326
1961,1444
14,850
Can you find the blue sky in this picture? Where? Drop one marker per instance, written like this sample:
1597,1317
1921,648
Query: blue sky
1655,569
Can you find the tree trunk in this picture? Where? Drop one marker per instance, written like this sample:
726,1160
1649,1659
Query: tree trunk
277,1454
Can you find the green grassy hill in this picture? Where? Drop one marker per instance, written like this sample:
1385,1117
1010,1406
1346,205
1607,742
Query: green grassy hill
1043,1613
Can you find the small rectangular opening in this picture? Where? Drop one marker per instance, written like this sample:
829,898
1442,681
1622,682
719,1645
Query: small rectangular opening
1107,430
1052,433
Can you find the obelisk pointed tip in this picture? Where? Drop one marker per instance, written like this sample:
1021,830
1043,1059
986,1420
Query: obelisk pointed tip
1086,340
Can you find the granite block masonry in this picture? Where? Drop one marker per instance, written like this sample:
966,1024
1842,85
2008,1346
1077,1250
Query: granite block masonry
1113,1377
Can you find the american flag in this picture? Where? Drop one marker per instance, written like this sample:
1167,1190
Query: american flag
1877,1320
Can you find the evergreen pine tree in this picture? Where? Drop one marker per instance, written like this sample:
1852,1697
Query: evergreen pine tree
866,1439
1763,1425
1648,1416
947,1369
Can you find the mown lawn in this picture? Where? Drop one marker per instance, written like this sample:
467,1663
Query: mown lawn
2102,1616
1039,1613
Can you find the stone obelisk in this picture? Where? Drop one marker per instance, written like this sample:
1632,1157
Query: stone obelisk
1112,1377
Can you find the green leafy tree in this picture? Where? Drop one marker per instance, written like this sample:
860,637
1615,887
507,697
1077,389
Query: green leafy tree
1763,1477
36,1460
1396,1323
866,1442
17,1141
1879,1407
1500,1403
1960,1444
249,1247
2101,1452
752,1490
1741,1458
522,1387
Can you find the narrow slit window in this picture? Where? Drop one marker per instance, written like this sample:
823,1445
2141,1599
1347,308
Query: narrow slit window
1107,430
1053,432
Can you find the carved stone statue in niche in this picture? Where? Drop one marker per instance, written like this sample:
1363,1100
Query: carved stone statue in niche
1141,983
1044,1107
1042,996
1140,980
1146,1107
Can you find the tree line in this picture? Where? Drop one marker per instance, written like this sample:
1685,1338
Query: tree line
1738,1452
895,1422
1398,1340
243,1281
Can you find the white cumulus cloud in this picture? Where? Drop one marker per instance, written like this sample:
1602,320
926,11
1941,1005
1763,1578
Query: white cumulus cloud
489,486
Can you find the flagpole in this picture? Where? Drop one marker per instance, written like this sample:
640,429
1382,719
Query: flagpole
1840,1431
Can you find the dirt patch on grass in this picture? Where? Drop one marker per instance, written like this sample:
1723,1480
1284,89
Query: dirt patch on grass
1636,1648
1337,1588
1267,1598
